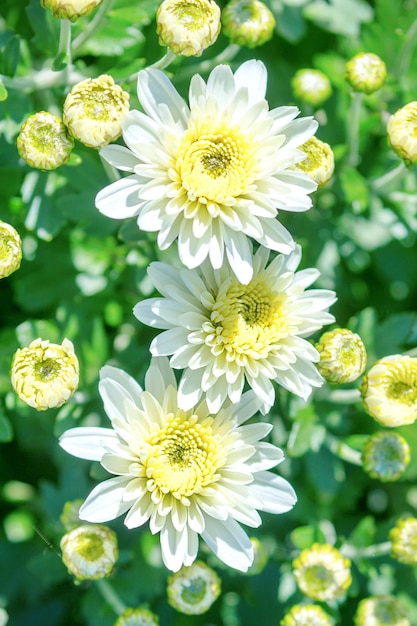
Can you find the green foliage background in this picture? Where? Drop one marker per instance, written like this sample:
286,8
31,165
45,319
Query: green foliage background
82,274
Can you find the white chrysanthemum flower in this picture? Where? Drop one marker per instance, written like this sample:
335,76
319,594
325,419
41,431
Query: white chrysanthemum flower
186,473
212,174
222,332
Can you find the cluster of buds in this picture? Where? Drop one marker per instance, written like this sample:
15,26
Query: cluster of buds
366,72
192,590
248,22
10,250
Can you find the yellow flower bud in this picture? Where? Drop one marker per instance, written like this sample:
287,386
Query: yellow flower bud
137,617
43,141
10,250
192,590
389,390
45,375
366,72
403,539
70,9
311,86
248,22
381,611
385,456
319,161
188,27
402,133
306,615
94,110
342,356
90,551
322,573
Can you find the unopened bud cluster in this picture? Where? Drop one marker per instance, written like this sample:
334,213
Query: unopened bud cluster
188,27
248,22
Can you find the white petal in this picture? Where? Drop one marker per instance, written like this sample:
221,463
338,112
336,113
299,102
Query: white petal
229,543
252,75
115,388
155,91
273,493
120,157
120,199
105,502
158,377
175,547
239,255
87,442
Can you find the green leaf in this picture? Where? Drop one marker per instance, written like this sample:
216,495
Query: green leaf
6,430
343,17
9,55
306,434
355,188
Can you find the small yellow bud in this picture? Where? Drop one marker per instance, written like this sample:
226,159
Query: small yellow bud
90,551
137,617
311,86
70,9
45,375
389,390
381,611
43,141
402,133
248,22
94,110
319,161
322,573
192,590
403,539
10,250
188,27
366,72
385,456
306,615
342,356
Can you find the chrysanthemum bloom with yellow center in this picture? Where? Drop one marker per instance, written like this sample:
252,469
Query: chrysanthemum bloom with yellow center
187,473
248,22
10,250
311,86
188,27
366,72
70,9
389,390
193,589
342,356
319,162
213,174
43,141
385,456
90,551
94,110
137,617
45,375
402,133
222,332
306,615
322,573
403,539
381,611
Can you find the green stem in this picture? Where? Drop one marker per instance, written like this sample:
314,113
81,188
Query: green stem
110,596
406,52
343,451
92,26
339,396
227,55
386,180
166,60
353,128
64,56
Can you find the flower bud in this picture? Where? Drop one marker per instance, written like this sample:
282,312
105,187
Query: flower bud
43,141
70,9
137,617
319,162
10,250
188,27
311,86
385,456
45,375
366,72
389,390
342,356
90,551
381,611
403,539
402,133
248,22
306,615
94,110
192,590
322,573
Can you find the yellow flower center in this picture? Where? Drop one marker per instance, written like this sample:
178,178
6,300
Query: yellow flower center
215,165
247,321
193,15
183,457
90,546
402,387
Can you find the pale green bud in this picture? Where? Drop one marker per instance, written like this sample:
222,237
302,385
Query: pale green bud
385,456
10,250
192,590
248,22
43,141
402,133
70,9
90,551
311,86
403,539
366,72
342,356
